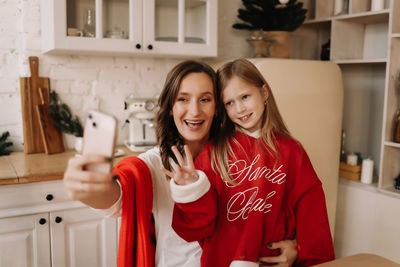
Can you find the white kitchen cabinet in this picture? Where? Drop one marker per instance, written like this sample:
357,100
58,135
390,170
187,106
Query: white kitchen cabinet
24,241
176,28
39,226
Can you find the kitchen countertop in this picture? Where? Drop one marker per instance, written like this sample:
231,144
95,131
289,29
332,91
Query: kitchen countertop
18,168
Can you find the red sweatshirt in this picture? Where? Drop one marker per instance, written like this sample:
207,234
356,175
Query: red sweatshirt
271,201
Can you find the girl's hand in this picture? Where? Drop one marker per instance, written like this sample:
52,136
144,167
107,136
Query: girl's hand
95,189
287,257
184,173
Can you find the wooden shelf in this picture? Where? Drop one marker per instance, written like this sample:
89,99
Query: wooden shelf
366,46
392,144
361,61
366,17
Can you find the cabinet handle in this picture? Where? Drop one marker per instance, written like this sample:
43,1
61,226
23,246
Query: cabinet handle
150,47
42,221
58,219
138,46
49,197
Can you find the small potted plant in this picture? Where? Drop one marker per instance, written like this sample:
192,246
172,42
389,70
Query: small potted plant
4,144
271,21
64,121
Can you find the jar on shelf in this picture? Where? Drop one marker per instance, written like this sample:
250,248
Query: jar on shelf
89,27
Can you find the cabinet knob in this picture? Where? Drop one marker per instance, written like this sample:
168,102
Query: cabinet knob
58,219
42,221
49,197
138,46
150,47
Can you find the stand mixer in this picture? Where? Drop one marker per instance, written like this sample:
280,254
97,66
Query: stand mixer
142,112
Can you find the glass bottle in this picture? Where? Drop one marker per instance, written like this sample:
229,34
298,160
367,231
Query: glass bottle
396,126
89,28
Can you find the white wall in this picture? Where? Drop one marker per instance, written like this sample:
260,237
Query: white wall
366,221
86,81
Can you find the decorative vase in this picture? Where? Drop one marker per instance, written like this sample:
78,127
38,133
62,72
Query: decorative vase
270,44
78,144
281,43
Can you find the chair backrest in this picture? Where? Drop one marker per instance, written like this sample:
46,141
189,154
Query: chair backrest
309,95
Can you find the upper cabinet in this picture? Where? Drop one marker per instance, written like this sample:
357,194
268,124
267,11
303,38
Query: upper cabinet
130,27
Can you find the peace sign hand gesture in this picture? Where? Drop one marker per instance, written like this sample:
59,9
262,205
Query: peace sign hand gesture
184,173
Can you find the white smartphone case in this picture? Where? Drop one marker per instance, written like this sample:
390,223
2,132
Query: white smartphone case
99,138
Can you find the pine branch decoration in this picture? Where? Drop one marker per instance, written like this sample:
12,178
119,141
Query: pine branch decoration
269,15
4,144
64,121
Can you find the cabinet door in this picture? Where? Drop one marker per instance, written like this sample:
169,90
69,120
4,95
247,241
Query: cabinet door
81,237
91,26
24,241
180,27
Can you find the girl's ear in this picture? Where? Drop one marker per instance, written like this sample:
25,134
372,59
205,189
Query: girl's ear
264,92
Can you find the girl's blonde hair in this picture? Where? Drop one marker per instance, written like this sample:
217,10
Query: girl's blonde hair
272,122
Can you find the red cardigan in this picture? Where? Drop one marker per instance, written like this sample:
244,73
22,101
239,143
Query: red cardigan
137,233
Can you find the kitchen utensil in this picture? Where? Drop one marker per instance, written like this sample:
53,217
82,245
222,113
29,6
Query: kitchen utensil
29,99
51,137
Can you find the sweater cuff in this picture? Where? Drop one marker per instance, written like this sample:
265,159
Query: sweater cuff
190,192
243,264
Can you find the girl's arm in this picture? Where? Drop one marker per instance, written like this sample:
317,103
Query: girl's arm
312,225
97,190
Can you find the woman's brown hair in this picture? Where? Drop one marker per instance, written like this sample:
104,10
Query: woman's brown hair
272,121
166,131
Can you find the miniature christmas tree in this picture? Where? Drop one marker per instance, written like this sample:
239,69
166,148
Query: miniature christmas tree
64,121
271,15
4,144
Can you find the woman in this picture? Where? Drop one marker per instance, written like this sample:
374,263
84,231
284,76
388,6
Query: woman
189,106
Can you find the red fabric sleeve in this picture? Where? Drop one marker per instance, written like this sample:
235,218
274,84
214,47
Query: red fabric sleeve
312,225
196,220
137,234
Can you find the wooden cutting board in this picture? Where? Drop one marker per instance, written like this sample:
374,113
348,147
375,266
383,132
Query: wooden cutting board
51,137
30,98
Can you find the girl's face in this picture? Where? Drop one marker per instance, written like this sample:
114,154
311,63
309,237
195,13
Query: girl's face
194,108
244,103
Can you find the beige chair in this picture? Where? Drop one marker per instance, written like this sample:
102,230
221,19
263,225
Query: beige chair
310,97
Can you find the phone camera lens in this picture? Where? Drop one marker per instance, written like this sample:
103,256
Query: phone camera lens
94,124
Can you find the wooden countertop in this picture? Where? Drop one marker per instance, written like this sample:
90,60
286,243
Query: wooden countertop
19,168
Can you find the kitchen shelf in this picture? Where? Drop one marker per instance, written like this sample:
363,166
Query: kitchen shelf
366,46
361,61
392,144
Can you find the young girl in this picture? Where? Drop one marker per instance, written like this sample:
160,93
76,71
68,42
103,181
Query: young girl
261,186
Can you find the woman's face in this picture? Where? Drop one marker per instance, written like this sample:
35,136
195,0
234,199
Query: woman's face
194,108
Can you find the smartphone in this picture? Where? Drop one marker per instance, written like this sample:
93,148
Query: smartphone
99,138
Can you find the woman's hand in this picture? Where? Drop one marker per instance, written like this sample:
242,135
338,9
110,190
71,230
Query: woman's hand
98,190
184,173
287,257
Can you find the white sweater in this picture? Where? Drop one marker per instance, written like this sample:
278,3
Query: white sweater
171,250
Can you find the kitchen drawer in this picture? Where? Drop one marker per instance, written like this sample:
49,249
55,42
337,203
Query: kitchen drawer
32,194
